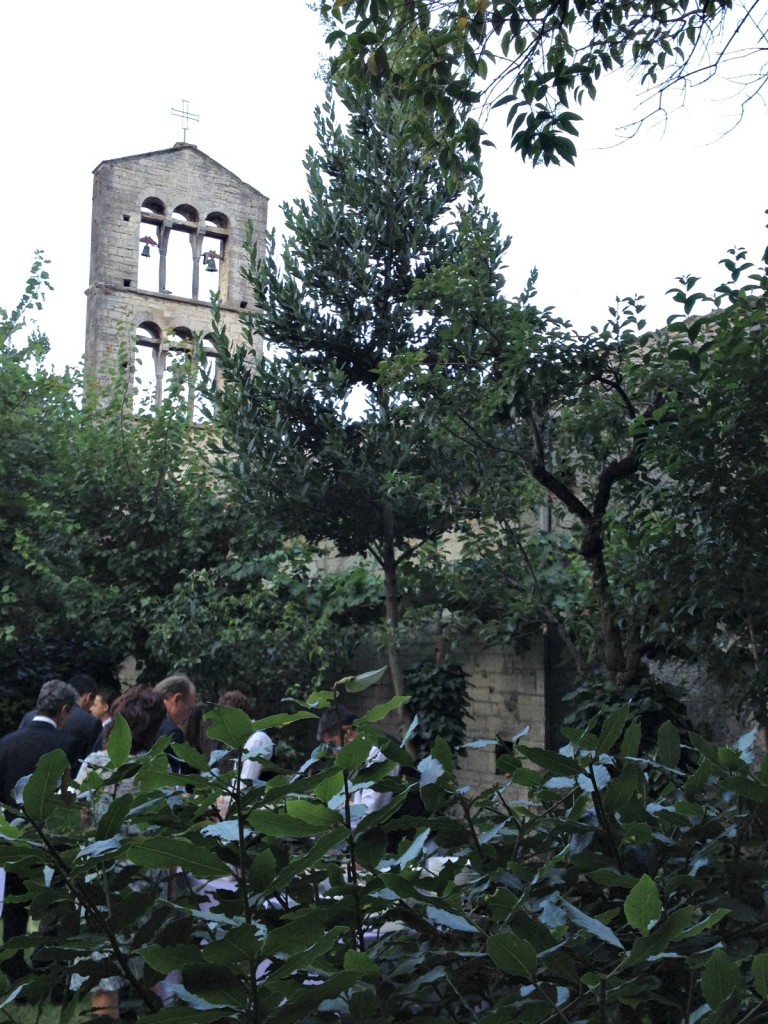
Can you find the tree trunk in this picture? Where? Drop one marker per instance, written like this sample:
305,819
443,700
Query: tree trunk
392,612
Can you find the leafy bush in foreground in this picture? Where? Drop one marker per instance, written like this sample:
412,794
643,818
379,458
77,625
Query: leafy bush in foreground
627,888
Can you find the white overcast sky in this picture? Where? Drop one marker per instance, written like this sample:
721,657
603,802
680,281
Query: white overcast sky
89,81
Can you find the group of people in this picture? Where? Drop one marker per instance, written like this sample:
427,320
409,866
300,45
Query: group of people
77,717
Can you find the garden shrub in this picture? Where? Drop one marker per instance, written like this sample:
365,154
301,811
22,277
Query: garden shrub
627,887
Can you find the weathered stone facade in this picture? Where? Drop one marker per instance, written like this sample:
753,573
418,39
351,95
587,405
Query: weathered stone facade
150,210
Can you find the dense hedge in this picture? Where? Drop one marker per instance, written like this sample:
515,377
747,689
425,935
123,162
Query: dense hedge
625,888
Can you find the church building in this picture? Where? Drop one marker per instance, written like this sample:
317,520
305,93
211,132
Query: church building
169,228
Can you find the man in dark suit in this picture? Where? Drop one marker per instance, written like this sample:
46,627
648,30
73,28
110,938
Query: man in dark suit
81,732
19,753
180,698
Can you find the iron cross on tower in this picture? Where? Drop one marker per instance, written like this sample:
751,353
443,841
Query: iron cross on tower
186,116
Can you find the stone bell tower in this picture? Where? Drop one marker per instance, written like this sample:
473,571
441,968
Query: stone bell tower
168,229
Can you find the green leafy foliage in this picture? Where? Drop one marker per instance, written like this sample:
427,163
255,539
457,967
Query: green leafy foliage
315,436
99,512
577,903
623,482
539,62
119,538
440,694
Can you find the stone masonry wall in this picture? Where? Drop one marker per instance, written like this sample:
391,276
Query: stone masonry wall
507,692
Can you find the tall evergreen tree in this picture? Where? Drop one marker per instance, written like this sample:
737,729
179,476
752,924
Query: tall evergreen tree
323,441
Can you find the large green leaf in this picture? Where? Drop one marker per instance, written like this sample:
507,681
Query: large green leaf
230,725
760,974
630,743
669,745
592,925
361,964
382,710
239,944
166,852
612,729
165,959
354,755
357,684
272,823
448,919
282,721
114,817
512,954
362,1003
43,785
551,761
296,934
622,794
313,813
709,921
747,787
642,907
331,841
329,787
720,978
119,743
657,941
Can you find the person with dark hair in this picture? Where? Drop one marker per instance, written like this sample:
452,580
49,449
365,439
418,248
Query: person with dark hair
335,727
102,705
81,732
20,752
179,695
258,745
143,710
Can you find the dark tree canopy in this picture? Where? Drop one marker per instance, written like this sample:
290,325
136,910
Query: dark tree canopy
538,59
323,442
333,447
648,450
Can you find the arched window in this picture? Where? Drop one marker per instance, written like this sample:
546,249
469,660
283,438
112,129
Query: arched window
206,379
217,220
153,206
179,364
147,374
181,248
150,244
214,241
177,368
186,215
182,255
211,257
